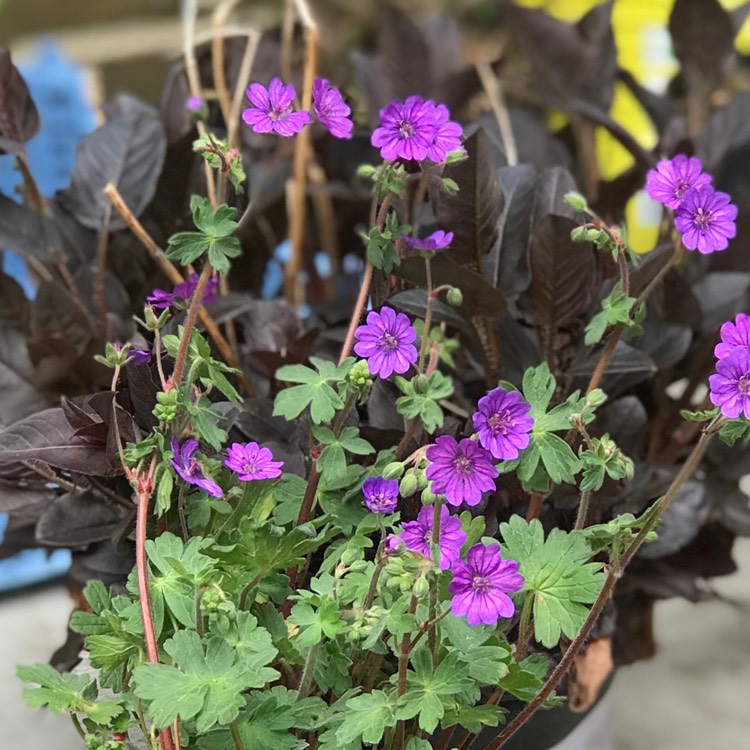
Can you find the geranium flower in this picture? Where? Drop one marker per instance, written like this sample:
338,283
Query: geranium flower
252,462
417,535
182,292
438,240
381,494
460,471
734,335
386,341
672,178
189,468
139,356
706,220
272,110
447,137
730,386
331,109
503,424
407,129
481,585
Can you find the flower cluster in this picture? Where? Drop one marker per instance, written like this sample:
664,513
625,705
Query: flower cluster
272,109
181,294
387,342
730,385
416,129
250,462
704,216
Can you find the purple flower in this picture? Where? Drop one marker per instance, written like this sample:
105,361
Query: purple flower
331,109
417,535
438,240
730,386
734,335
503,423
139,356
181,294
272,109
250,462
393,545
386,341
706,220
672,178
460,471
381,494
481,585
189,468
407,129
447,137
194,103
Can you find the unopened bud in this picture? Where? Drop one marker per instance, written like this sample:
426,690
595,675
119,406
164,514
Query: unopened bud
421,384
421,587
596,397
576,201
454,297
408,485
393,470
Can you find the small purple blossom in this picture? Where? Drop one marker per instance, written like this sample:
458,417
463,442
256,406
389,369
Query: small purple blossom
381,494
407,129
387,342
182,292
730,386
706,219
481,585
331,109
194,104
734,335
252,462
417,535
272,110
672,178
393,545
139,356
189,468
503,423
447,137
438,240
460,471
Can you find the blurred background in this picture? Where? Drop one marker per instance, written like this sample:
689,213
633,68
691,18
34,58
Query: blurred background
76,54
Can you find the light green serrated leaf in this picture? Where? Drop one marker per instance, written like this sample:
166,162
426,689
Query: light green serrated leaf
538,389
367,718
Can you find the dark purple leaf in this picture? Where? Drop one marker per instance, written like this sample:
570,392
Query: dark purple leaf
14,305
47,437
19,119
27,232
78,520
727,129
20,396
473,214
128,151
571,62
103,561
414,302
18,499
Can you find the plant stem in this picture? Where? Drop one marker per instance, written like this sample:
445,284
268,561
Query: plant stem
524,627
583,510
192,315
236,737
159,363
404,651
535,504
145,487
435,549
601,365
411,428
101,266
170,271
250,586
308,672
373,588
118,439
428,316
77,724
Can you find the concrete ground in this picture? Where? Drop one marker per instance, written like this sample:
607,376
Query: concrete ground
693,695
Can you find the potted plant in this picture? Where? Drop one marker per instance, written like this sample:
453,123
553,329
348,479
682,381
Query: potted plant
402,524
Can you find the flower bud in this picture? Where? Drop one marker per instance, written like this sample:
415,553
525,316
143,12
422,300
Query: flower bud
576,201
393,470
449,186
349,556
428,496
154,322
454,297
393,545
365,170
456,156
421,587
578,234
421,384
408,485
596,398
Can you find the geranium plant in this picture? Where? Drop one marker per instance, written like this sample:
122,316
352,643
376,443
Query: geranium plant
377,539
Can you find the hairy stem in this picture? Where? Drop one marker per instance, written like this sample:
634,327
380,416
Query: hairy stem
308,672
236,737
601,365
192,315
583,510
435,549
524,627
428,316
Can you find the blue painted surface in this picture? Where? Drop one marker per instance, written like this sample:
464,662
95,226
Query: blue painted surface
57,87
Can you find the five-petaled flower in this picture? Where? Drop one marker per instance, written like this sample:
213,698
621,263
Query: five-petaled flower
182,292
447,136
407,129
460,471
272,110
381,494
503,423
417,535
672,178
387,342
331,109
705,217
734,335
481,585
730,385
251,462
189,468
438,240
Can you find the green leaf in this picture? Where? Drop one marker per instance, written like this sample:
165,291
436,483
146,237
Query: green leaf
525,680
616,310
734,430
430,692
315,391
421,397
557,574
473,718
206,421
164,486
538,389
316,622
558,418
367,718
557,456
